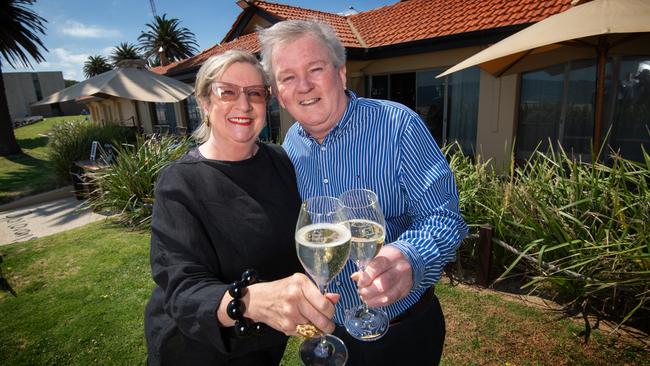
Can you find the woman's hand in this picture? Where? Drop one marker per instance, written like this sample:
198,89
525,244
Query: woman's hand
285,303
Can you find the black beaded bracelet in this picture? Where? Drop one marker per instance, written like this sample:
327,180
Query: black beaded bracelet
236,307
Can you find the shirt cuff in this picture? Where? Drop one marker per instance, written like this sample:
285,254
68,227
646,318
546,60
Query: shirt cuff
414,258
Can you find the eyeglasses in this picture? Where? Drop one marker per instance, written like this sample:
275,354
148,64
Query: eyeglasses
228,92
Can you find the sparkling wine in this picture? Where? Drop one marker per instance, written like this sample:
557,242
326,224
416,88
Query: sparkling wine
367,238
323,250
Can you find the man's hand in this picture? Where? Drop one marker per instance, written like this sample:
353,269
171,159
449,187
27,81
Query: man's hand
387,278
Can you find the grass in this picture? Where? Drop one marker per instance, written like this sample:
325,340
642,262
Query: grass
30,173
81,296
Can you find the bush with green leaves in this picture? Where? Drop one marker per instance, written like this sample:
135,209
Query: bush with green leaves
71,141
586,224
126,186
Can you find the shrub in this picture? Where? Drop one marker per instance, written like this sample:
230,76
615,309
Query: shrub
126,186
586,224
71,141
592,221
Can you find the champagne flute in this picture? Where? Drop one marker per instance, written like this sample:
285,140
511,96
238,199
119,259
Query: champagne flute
323,246
367,225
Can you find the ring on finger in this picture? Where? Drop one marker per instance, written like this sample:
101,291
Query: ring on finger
307,330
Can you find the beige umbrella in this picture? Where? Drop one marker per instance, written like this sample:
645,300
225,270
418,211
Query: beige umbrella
130,82
602,26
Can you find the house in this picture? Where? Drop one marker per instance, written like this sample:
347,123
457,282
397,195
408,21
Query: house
24,88
396,51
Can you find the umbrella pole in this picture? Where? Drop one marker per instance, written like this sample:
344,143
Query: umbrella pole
600,94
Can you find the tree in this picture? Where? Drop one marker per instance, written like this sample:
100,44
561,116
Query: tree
125,51
18,40
168,40
96,65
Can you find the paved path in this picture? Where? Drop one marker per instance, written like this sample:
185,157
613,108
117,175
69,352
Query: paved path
45,218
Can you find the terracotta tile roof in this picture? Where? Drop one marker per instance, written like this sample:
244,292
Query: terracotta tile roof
404,21
338,22
423,19
246,42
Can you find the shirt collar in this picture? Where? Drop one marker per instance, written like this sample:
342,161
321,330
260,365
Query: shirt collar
343,123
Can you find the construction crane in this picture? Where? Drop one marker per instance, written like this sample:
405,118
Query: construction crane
153,7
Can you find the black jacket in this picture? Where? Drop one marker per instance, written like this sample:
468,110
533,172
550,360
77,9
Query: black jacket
211,221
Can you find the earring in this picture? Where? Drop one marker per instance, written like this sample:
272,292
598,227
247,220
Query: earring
206,120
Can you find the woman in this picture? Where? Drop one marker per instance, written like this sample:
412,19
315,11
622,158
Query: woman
229,205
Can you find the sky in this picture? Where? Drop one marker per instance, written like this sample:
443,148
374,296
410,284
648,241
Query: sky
77,29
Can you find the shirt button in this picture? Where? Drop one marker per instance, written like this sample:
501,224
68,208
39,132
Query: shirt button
326,180
338,283
323,148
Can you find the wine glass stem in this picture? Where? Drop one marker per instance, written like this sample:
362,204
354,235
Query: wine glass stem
322,350
362,267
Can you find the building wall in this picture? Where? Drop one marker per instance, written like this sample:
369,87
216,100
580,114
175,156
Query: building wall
120,110
497,96
21,93
130,113
496,118
181,121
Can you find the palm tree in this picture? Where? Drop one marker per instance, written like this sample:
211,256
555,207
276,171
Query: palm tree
168,40
125,51
18,40
96,65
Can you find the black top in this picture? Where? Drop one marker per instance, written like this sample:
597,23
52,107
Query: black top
211,221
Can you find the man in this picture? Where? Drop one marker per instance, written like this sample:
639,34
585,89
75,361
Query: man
342,142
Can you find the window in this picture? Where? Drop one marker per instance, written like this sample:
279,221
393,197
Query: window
462,111
628,114
379,87
193,113
557,105
448,106
37,86
271,131
165,117
430,101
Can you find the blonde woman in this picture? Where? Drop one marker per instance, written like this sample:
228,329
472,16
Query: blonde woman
228,206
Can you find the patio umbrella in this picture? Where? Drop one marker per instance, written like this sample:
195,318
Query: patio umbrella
130,82
598,26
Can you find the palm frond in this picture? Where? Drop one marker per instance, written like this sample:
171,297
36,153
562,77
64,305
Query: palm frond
19,33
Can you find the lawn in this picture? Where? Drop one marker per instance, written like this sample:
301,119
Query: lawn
29,173
81,296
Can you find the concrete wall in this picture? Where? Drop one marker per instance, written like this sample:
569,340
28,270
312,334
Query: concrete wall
21,93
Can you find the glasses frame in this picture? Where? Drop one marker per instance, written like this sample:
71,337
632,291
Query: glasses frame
216,88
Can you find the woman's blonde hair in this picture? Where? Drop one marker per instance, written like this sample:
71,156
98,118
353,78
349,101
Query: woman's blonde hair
212,70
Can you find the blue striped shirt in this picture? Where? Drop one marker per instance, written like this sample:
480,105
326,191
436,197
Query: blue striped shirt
385,147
